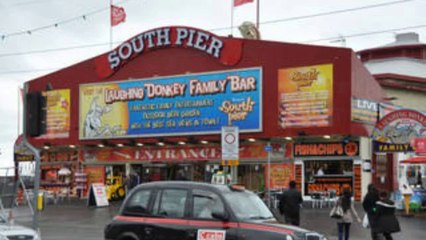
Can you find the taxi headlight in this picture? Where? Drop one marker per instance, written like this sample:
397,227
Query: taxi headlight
36,237
288,237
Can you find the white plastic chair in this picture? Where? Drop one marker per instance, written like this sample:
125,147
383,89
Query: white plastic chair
317,200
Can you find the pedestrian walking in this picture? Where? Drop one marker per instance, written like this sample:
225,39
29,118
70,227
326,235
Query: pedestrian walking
387,223
344,223
369,206
289,204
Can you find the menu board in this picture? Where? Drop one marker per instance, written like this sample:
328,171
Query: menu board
281,175
327,183
97,195
305,96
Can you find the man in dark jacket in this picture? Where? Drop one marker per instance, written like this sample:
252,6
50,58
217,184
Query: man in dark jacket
289,205
369,205
387,223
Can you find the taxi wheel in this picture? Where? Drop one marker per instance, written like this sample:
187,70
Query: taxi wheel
120,193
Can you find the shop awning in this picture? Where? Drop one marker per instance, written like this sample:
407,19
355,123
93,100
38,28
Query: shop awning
414,160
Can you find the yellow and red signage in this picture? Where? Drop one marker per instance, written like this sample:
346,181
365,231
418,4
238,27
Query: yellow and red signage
58,115
281,175
305,96
173,153
326,149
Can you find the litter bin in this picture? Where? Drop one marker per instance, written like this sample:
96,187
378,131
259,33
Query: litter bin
40,201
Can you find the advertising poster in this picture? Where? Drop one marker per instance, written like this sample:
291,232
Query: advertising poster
176,105
281,175
364,111
323,184
97,195
395,131
57,113
305,96
95,174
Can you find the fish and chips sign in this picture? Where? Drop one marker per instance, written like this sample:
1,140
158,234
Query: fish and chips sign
395,131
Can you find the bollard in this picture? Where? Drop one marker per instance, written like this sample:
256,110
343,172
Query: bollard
40,202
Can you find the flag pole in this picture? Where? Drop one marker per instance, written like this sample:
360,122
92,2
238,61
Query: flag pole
257,14
110,25
19,110
232,17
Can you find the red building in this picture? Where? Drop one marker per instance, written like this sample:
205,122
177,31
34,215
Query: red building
157,103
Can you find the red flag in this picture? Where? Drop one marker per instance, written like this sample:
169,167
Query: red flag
118,15
241,2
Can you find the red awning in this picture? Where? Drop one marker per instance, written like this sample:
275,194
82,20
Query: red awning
413,160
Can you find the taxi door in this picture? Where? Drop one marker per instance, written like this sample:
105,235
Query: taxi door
208,218
169,215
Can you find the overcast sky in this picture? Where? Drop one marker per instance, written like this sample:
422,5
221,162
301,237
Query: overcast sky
32,46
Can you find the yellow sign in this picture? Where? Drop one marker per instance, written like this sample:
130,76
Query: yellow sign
58,106
230,162
305,96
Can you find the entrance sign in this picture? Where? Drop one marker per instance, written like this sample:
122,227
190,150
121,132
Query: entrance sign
170,154
230,143
172,106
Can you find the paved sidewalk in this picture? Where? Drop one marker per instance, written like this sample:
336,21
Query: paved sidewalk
319,220
74,220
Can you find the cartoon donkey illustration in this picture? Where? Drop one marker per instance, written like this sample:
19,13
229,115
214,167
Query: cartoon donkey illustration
401,133
93,126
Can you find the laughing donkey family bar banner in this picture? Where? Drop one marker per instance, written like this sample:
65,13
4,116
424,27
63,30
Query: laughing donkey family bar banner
176,105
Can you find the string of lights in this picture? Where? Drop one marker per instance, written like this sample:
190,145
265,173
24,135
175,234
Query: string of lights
308,41
266,22
84,17
57,24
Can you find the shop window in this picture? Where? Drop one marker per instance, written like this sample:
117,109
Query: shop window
205,203
138,203
252,176
327,167
328,176
170,203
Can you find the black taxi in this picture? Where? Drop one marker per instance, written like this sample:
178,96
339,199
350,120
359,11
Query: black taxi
183,210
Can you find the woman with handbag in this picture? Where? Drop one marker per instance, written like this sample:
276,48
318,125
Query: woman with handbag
348,209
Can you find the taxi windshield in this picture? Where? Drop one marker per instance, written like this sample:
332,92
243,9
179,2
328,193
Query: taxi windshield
248,206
